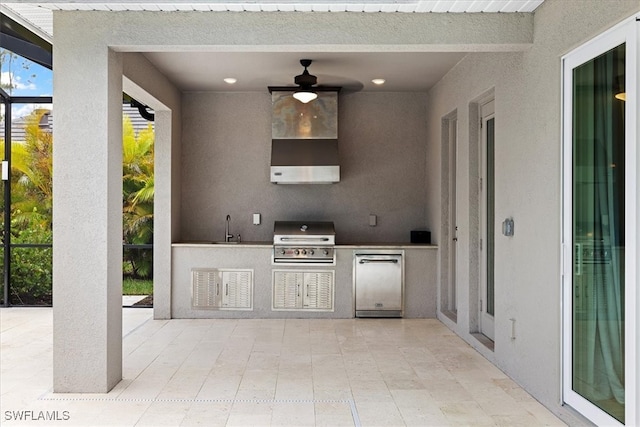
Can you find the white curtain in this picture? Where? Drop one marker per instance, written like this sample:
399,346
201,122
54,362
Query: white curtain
599,220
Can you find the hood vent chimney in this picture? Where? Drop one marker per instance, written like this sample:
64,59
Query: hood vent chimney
304,145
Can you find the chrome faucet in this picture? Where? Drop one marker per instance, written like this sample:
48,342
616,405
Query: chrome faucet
227,236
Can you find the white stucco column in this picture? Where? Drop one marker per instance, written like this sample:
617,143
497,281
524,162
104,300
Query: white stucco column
87,214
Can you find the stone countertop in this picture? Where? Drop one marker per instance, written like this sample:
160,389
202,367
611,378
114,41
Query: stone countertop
210,244
265,244
385,245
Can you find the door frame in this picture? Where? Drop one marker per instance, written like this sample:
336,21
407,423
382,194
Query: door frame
625,32
454,221
486,321
449,291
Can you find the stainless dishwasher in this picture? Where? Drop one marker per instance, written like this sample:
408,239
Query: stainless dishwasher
378,280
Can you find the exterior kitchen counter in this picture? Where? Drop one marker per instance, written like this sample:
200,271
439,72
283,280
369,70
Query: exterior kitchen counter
397,245
265,244
198,244
420,278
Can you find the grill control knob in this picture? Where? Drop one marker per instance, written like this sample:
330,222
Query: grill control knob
325,252
310,251
296,252
304,252
282,251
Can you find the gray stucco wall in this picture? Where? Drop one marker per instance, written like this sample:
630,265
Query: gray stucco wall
89,58
527,90
226,158
146,84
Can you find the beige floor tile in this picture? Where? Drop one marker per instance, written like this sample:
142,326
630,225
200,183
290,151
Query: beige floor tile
370,391
294,388
329,394
542,414
220,387
250,413
403,381
164,414
294,413
259,379
255,394
121,412
446,391
334,414
207,414
276,372
379,413
467,414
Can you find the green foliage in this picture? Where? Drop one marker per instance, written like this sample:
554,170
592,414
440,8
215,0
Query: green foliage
31,176
32,201
31,268
31,208
137,286
138,191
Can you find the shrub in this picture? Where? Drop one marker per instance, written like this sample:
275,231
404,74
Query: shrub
31,271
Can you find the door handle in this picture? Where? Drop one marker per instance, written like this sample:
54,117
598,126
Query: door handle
578,259
369,260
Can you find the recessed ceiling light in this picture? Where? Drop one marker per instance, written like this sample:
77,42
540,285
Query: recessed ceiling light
378,81
230,80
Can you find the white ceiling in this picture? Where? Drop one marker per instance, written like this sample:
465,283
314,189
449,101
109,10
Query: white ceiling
255,71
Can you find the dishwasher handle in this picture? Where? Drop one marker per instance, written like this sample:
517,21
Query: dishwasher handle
382,260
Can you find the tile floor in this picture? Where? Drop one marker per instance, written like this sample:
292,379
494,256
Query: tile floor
300,372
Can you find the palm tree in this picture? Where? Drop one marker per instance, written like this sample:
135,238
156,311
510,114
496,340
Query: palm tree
32,185
32,201
138,193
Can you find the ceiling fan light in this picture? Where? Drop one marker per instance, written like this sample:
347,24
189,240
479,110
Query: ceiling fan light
305,96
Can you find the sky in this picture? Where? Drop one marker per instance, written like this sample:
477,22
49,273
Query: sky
27,79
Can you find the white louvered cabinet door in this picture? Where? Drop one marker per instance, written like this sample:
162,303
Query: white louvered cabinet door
237,289
287,290
205,291
220,288
318,290
303,290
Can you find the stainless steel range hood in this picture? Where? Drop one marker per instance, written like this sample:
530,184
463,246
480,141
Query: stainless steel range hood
304,161
304,138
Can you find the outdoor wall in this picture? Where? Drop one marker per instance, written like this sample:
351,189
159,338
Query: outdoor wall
226,158
143,82
90,50
527,90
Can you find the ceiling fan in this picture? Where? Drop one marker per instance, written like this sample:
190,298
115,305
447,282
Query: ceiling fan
306,91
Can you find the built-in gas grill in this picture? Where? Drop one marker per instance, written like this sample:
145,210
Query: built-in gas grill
297,242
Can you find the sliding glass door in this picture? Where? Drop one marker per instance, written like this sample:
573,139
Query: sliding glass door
598,223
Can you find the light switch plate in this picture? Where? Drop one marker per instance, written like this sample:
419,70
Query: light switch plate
373,220
256,219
